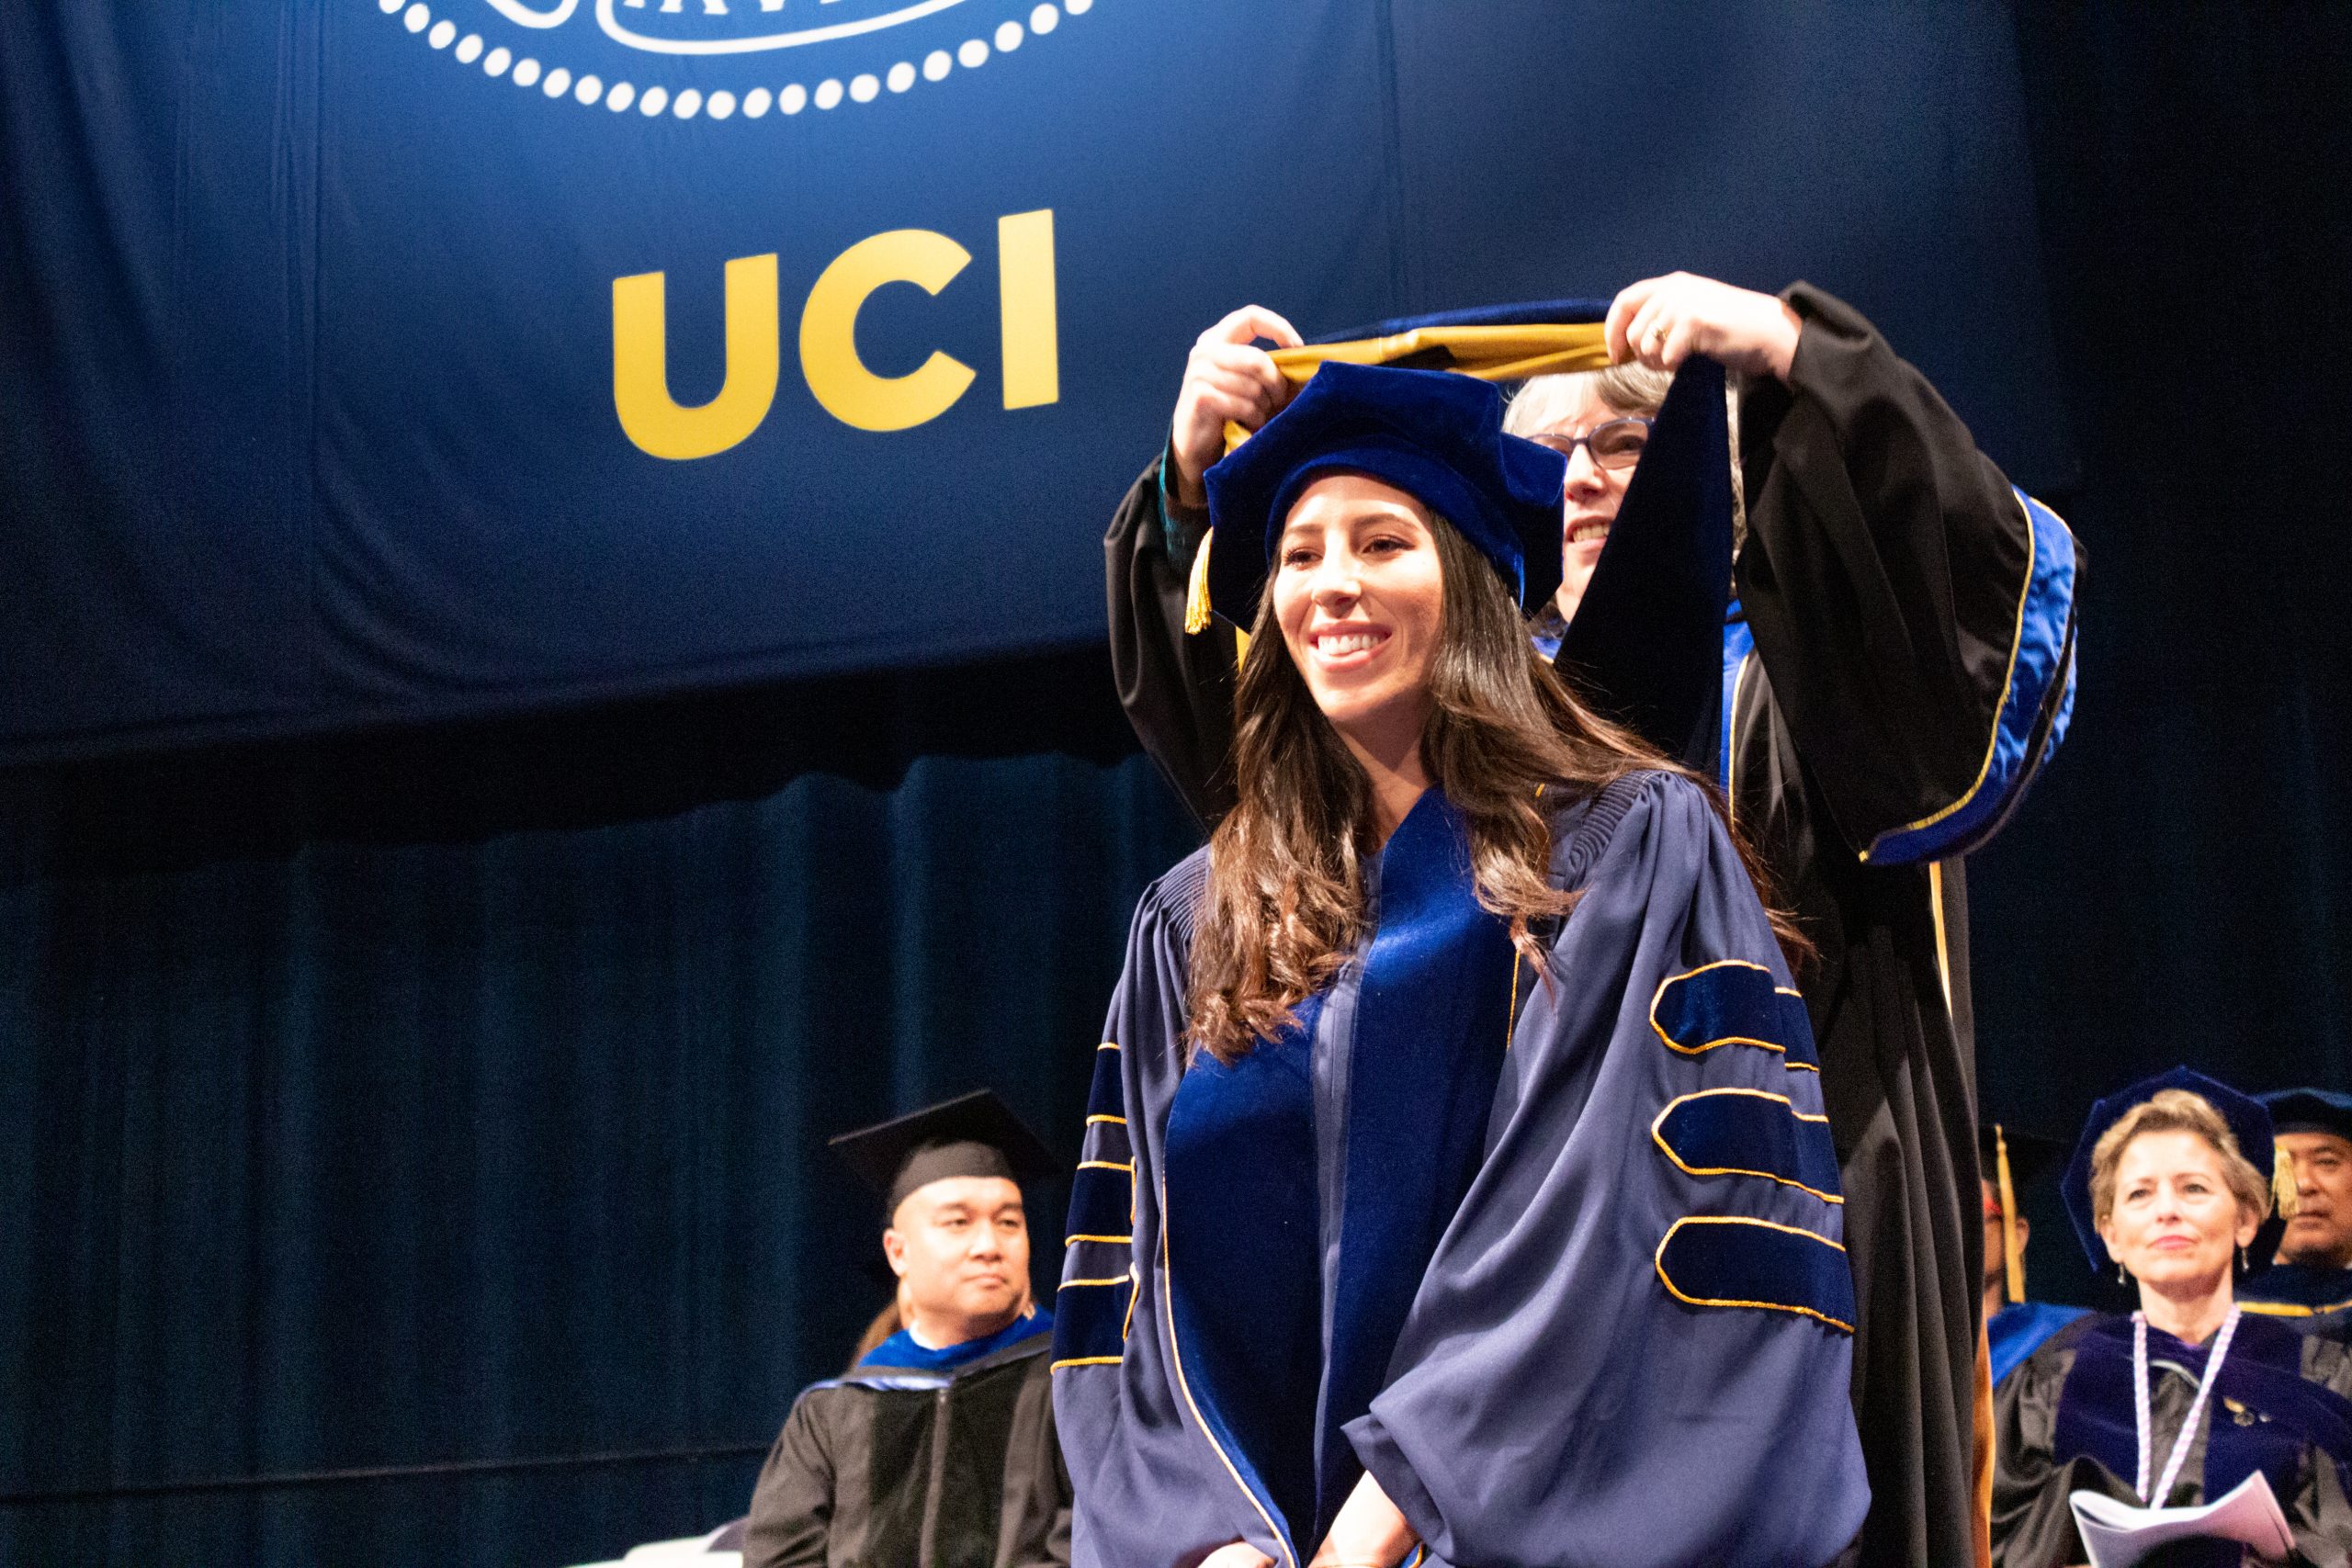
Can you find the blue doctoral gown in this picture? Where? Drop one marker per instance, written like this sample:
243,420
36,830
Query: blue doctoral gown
1556,1258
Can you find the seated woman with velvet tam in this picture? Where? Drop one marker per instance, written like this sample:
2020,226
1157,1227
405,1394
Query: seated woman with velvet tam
2183,1400
1457,1188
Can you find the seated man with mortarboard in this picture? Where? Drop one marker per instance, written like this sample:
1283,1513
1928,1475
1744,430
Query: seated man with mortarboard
937,1449
2313,1273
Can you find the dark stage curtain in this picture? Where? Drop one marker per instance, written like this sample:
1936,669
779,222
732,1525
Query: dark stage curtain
2180,887
461,1096
456,1097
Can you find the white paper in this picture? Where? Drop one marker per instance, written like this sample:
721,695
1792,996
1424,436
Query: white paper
2117,1535
692,1549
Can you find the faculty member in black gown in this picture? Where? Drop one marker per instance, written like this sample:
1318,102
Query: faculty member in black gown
937,1449
2168,1183
1899,661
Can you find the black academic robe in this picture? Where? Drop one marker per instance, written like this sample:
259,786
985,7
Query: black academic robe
891,1467
1910,617
2065,1422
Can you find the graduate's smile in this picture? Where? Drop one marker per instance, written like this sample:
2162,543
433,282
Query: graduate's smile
1348,644
1358,594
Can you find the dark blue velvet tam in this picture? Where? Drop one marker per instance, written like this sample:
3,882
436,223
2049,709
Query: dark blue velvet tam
2248,1119
2311,1111
1437,436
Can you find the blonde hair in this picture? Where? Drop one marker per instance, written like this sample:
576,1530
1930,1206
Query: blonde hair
885,1324
1632,388
2176,1110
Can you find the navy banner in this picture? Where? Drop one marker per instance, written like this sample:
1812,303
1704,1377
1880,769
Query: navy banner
364,360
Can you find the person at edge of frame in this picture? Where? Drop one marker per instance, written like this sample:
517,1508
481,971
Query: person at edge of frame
1897,663
936,1449
2015,1324
2311,1274
2192,1397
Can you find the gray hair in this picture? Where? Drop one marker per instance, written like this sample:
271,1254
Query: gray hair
1629,389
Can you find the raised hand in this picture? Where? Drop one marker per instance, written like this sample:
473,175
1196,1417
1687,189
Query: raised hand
1226,376
1661,321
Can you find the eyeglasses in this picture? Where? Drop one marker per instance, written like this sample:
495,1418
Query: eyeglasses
1617,444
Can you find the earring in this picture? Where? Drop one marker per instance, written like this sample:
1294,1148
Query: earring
2242,1262
2121,1277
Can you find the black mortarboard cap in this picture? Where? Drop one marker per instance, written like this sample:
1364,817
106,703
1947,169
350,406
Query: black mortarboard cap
974,1134
2310,1111
2249,1124
2030,1153
1433,434
2010,1158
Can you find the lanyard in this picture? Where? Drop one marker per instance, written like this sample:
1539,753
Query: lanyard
2143,1413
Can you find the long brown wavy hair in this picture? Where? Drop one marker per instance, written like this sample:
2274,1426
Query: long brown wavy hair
1285,886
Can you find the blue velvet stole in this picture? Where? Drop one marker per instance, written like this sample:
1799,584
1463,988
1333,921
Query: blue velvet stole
2262,1414
1244,1228
1245,1261
1431,1027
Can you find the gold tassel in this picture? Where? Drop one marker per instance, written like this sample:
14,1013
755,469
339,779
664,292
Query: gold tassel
2282,1183
1196,591
2012,1252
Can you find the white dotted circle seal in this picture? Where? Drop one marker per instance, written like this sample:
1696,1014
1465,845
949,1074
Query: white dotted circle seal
753,100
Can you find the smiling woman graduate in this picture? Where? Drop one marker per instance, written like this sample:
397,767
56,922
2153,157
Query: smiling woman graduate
1456,1187
1896,668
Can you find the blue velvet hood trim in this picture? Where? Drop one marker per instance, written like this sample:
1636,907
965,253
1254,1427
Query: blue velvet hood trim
901,1352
